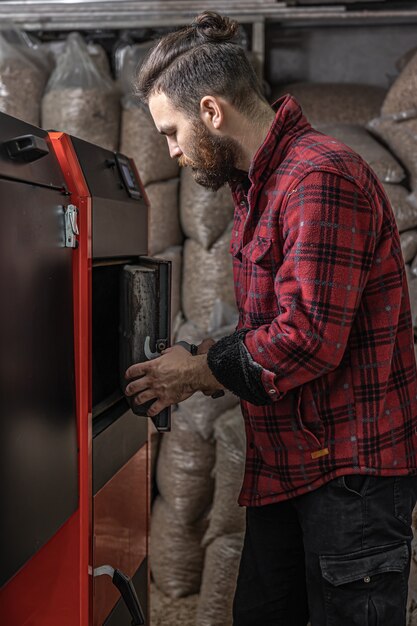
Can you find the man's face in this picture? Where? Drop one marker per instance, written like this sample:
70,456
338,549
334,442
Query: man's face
211,157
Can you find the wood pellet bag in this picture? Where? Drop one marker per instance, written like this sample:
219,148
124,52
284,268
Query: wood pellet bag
176,555
409,245
404,211
327,103
164,228
218,586
226,516
80,100
385,166
184,470
397,122
207,276
204,213
22,78
141,141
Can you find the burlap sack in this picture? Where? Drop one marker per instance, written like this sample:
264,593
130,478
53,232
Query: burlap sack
81,100
22,77
397,124
328,103
385,166
207,276
141,141
226,516
184,470
164,228
204,214
405,213
202,411
174,254
100,58
409,245
95,50
176,555
218,586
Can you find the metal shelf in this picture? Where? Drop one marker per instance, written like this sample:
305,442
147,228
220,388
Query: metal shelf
118,14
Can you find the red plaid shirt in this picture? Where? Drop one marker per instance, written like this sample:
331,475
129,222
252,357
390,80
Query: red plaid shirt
321,286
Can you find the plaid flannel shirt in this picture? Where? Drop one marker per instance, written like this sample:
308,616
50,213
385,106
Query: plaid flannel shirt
323,356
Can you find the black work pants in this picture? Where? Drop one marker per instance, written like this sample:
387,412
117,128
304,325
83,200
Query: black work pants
337,556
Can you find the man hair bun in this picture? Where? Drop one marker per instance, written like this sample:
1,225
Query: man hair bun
213,27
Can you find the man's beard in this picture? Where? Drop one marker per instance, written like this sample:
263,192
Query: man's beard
213,159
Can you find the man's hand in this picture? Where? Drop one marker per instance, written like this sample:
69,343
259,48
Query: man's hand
170,379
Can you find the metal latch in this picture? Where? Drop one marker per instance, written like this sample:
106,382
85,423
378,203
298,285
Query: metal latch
161,344
71,226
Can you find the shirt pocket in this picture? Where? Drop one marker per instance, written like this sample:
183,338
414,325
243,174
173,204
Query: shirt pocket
259,251
259,270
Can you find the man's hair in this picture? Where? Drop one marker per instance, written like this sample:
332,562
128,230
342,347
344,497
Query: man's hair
198,60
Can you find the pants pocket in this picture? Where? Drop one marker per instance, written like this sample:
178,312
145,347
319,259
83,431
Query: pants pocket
366,588
405,495
356,483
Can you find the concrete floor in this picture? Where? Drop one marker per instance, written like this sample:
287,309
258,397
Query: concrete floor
168,612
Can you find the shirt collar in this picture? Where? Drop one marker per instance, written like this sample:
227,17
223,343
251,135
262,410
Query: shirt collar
289,121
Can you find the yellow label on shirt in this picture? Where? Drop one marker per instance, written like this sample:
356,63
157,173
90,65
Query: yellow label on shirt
318,453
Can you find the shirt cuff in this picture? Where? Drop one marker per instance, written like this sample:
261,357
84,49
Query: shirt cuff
233,366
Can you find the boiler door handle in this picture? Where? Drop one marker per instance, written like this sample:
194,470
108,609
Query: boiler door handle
128,593
127,590
26,148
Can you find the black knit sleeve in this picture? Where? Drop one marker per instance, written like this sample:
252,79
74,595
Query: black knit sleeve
233,366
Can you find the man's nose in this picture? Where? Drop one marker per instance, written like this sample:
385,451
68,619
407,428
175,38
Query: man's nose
174,150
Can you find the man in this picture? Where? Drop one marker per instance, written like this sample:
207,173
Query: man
322,357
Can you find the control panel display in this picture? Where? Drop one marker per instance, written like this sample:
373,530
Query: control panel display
128,176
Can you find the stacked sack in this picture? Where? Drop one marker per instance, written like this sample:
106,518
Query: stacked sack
207,274
179,513
335,103
140,140
397,127
180,516
80,99
223,539
24,71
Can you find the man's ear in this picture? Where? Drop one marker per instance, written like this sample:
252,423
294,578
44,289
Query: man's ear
212,112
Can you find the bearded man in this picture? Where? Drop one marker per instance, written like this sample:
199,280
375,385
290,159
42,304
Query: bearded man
322,357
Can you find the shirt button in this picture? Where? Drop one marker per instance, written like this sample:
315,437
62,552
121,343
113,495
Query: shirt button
242,203
272,391
367,579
